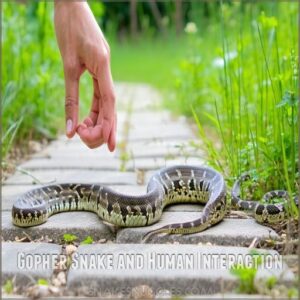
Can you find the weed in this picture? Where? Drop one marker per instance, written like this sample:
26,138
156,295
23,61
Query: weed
42,281
69,238
240,79
87,240
292,293
246,277
270,283
8,286
246,274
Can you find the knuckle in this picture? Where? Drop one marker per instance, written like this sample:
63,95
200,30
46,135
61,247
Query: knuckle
104,57
70,102
109,97
100,51
102,60
93,48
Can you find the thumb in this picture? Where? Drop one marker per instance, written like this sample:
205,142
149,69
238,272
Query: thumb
71,104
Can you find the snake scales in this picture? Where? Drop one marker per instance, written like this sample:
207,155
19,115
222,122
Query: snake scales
167,186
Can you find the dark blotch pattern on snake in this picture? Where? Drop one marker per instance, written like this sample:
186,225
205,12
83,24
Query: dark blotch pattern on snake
170,185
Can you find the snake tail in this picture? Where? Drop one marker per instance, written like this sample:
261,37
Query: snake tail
264,212
211,215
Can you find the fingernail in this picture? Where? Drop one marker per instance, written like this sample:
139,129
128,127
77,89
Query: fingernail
69,126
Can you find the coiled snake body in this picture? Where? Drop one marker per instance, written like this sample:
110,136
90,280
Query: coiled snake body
167,186
171,185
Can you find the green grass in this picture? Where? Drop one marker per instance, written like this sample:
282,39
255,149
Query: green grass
147,60
32,81
240,79
8,286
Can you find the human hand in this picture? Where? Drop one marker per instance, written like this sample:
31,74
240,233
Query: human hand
83,47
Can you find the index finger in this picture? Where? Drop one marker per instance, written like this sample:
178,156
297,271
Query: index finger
107,96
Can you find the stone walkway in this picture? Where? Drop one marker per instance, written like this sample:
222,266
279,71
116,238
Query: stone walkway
148,138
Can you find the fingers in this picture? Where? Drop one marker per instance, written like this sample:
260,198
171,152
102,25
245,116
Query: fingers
71,101
95,109
88,122
90,134
102,113
112,138
90,131
107,96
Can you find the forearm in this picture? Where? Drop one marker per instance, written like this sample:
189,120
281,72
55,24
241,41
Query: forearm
58,3
83,47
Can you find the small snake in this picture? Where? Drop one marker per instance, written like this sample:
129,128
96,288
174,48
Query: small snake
176,184
266,212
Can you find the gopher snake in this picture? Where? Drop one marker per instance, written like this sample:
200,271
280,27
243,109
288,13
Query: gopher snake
167,186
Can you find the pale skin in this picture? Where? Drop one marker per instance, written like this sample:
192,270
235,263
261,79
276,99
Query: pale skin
83,47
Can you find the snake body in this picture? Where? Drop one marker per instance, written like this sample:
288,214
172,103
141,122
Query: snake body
167,186
265,212
177,184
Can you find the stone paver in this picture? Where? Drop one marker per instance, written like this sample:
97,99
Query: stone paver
145,97
104,164
163,132
148,118
182,269
162,148
73,152
27,262
81,224
83,176
109,164
157,163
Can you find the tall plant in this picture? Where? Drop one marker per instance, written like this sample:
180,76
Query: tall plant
244,85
